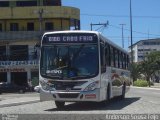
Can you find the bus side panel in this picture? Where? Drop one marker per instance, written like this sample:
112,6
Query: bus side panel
119,77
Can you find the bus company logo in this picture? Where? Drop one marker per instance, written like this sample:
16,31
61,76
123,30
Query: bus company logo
68,89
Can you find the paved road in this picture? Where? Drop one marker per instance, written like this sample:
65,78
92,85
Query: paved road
138,101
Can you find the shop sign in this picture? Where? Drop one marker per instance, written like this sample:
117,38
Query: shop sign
14,63
13,70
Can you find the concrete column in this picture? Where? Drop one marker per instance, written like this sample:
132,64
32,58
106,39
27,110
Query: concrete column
8,77
28,74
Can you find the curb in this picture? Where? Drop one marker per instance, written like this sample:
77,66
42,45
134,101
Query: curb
151,88
19,103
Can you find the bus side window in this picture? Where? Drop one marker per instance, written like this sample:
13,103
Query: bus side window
125,58
118,54
116,58
127,61
103,62
107,55
121,60
112,56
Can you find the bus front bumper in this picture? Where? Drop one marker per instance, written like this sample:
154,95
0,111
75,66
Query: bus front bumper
70,96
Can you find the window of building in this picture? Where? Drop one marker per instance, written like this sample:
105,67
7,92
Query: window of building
14,27
2,53
52,2
49,26
3,76
140,50
19,52
0,26
4,3
26,3
30,26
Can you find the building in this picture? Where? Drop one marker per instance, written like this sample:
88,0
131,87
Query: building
143,47
22,23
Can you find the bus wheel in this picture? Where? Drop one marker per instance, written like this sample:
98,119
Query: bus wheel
60,104
123,91
104,103
108,93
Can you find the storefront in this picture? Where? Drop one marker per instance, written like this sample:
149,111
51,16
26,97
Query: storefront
19,72
3,76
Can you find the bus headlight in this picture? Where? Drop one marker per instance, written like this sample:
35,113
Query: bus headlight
46,85
92,86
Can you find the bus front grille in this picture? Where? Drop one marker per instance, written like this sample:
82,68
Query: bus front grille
66,95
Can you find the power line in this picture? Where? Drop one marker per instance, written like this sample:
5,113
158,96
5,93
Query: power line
135,31
120,16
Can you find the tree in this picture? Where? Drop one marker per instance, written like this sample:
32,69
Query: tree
135,69
150,65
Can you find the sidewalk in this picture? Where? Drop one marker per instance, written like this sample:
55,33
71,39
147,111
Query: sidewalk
14,101
156,85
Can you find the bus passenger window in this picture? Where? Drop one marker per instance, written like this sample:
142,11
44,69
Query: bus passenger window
112,56
103,62
107,55
116,58
121,60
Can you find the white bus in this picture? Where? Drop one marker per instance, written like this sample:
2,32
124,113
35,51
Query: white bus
82,66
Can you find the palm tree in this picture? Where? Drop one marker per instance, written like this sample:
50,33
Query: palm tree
135,69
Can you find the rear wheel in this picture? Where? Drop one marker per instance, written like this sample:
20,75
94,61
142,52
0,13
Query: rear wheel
123,91
60,104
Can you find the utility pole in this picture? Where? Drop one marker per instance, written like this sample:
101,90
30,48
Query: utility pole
131,31
122,35
40,12
102,24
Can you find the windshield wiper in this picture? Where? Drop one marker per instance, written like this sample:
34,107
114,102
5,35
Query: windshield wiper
61,67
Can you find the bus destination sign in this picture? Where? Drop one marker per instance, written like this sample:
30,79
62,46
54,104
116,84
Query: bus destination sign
70,38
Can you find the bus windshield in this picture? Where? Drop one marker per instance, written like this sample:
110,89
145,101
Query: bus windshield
79,61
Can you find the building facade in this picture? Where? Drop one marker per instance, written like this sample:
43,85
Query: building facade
143,47
22,23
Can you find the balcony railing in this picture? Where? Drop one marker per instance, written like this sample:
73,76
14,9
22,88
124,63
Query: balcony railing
21,35
19,58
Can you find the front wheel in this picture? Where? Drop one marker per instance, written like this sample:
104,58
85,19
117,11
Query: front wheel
108,95
60,104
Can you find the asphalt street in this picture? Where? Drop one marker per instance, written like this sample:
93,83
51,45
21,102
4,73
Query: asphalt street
137,101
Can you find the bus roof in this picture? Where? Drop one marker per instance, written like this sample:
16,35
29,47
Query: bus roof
95,32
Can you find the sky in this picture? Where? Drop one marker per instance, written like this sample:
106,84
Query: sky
145,18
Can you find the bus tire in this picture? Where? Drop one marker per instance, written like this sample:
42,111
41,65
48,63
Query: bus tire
123,92
104,103
60,104
108,92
